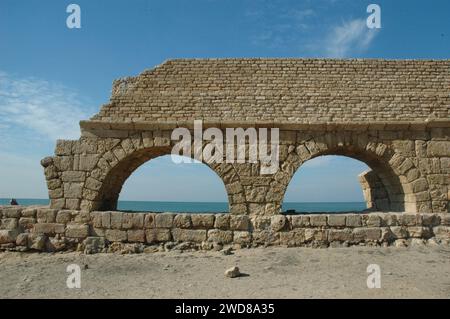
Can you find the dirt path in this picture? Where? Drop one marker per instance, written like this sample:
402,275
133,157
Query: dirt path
419,272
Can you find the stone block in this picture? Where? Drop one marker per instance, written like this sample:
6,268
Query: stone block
279,223
242,237
266,237
116,220
64,216
222,221
336,220
12,212
27,222
220,236
299,221
399,232
116,235
29,212
353,220
189,235
293,238
313,234
149,220
73,190
164,220
153,235
133,221
340,235
9,223
410,219
77,231
318,220
366,234
239,222
49,228
373,220
442,232
136,235
46,215
202,220
182,221
419,232
8,236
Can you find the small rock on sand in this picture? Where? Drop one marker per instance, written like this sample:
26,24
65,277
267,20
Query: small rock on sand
232,272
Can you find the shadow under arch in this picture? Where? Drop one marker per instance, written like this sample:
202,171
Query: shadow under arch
387,188
108,194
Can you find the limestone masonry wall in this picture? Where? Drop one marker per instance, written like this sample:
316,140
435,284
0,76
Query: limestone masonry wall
283,90
394,115
45,229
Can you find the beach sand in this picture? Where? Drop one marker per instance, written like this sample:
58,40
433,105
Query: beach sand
415,272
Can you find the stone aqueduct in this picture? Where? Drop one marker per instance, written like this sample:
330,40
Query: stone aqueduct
392,115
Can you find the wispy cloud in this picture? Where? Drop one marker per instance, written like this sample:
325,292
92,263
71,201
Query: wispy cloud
47,109
281,28
348,38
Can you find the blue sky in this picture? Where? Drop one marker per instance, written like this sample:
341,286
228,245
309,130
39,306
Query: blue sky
51,76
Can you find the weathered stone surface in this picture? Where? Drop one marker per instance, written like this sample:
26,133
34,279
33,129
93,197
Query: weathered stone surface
136,235
318,220
400,232
49,228
410,219
442,232
116,220
353,221
242,237
27,222
77,231
64,216
190,235
279,223
419,232
374,221
336,220
340,235
222,221
182,221
220,236
232,272
239,222
12,212
116,235
9,223
149,221
367,234
298,221
8,236
293,238
316,234
45,215
202,220
133,221
164,220
158,235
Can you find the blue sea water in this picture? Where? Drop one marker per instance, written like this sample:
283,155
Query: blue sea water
210,207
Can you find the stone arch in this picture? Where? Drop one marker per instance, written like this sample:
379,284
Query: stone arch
116,164
398,176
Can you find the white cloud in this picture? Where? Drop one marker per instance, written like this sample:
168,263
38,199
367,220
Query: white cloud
347,38
47,109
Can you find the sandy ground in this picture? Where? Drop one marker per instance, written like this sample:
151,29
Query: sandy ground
416,272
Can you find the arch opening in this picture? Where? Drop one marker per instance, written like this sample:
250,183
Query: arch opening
379,189
148,180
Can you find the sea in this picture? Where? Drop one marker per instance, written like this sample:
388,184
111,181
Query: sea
211,207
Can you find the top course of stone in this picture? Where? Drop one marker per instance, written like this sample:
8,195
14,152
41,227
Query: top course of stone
283,91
